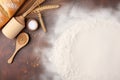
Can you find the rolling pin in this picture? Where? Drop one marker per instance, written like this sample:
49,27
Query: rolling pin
17,24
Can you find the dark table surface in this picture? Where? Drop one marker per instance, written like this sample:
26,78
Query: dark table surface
28,66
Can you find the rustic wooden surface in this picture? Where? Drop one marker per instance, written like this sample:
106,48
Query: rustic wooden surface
26,65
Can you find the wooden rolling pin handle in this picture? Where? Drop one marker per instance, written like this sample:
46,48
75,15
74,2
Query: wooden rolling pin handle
35,4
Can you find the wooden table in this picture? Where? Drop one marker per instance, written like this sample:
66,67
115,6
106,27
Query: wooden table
28,66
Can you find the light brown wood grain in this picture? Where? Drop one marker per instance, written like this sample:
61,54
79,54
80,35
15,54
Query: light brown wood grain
21,41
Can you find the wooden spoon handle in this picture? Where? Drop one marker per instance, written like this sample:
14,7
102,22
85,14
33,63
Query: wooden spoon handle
10,60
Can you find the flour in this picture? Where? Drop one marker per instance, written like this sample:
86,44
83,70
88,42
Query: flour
88,48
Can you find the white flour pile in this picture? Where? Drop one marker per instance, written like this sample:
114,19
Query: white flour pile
87,46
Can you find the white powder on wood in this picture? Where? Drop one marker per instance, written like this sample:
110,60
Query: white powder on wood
88,48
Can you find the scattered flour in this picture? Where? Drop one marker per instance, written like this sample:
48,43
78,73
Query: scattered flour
89,46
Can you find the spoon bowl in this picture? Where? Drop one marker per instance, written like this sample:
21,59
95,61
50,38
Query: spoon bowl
21,41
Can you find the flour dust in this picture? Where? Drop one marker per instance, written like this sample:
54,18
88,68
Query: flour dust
86,45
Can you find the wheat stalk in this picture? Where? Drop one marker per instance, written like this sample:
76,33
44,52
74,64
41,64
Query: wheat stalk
35,4
42,8
42,22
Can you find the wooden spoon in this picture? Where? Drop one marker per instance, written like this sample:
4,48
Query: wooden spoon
21,41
